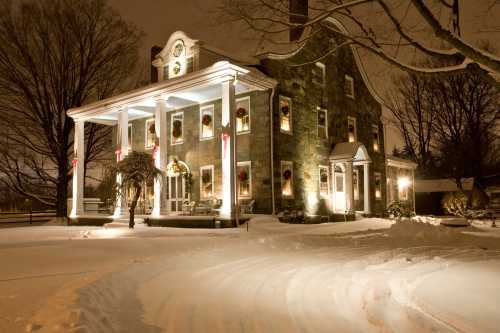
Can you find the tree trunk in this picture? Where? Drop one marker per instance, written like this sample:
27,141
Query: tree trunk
138,190
62,189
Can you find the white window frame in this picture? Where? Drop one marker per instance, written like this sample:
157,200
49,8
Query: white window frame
249,165
211,168
326,122
349,79
322,195
353,119
379,176
290,105
287,165
356,188
172,128
146,132
375,129
204,108
322,69
238,100
130,130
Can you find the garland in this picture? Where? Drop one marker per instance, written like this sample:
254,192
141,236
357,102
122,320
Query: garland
206,119
287,174
177,129
241,112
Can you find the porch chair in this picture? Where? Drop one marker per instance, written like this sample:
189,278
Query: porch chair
188,207
247,208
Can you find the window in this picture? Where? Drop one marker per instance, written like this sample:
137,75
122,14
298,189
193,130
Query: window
355,183
243,115
206,122
322,124
324,181
206,181
150,133
376,139
319,74
285,109
244,179
177,128
351,129
403,184
349,86
287,179
129,137
378,185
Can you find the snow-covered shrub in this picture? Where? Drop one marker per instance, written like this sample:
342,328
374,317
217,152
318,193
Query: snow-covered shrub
399,209
455,203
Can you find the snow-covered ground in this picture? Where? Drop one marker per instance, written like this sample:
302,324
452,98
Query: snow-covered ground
364,276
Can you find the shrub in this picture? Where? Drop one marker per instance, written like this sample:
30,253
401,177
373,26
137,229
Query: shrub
455,203
399,209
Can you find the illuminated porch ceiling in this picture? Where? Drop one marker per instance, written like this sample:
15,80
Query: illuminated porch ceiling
191,89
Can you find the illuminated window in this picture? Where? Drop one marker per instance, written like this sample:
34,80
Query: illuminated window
129,135
351,129
206,122
319,74
378,185
355,183
285,110
349,86
206,181
322,124
243,115
376,138
150,133
244,179
287,179
177,128
324,181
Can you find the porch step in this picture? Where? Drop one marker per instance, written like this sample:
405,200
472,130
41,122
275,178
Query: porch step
123,223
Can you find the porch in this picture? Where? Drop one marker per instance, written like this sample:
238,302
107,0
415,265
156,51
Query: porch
222,81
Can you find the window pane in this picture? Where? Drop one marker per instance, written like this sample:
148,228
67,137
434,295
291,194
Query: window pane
150,133
207,122
177,128
244,180
285,109
243,115
323,181
206,187
287,179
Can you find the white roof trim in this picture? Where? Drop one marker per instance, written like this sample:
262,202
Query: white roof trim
218,72
392,161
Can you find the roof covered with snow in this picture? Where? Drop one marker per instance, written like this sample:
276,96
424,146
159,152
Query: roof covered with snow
441,185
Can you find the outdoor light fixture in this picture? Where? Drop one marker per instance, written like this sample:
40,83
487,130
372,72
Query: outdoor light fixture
403,182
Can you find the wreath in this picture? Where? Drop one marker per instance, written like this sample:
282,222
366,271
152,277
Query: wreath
206,119
287,174
205,178
324,177
243,176
321,118
152,129
177,129
241,112
285,110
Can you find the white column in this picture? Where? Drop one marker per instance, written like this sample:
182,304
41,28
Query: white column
121,152
228,150
160,156
78,168
349,187
366,188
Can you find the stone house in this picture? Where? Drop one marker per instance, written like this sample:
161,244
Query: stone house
284,136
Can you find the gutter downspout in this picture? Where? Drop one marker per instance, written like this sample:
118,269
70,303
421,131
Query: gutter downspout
271,114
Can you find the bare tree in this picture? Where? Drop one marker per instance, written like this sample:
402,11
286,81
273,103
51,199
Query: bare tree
414,118
382,27
451,120
56,55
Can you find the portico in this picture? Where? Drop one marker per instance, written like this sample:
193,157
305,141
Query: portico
222,81
344,157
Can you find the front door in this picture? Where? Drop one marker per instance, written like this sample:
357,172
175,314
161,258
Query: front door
339,189
176,189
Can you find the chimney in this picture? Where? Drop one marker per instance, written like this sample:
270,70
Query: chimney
154,71
298,14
